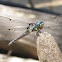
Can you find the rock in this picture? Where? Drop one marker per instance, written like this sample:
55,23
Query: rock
47,48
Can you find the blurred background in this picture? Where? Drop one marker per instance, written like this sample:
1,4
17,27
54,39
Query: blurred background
15,16
51,5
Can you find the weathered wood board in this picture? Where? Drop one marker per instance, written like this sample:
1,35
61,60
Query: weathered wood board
20,18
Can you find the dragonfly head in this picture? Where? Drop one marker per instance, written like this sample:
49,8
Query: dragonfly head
40,25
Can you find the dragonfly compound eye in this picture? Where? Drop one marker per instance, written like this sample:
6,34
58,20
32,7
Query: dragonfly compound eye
41,25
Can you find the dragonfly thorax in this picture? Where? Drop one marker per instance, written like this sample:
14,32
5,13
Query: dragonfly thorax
31,26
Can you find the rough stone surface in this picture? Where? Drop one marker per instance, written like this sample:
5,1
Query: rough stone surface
47,48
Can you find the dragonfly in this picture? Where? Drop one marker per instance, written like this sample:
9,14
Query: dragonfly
31,27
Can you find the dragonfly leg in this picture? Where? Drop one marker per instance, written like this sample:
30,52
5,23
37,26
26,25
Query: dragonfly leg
38,31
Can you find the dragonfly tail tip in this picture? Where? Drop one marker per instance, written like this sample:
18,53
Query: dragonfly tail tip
9,44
